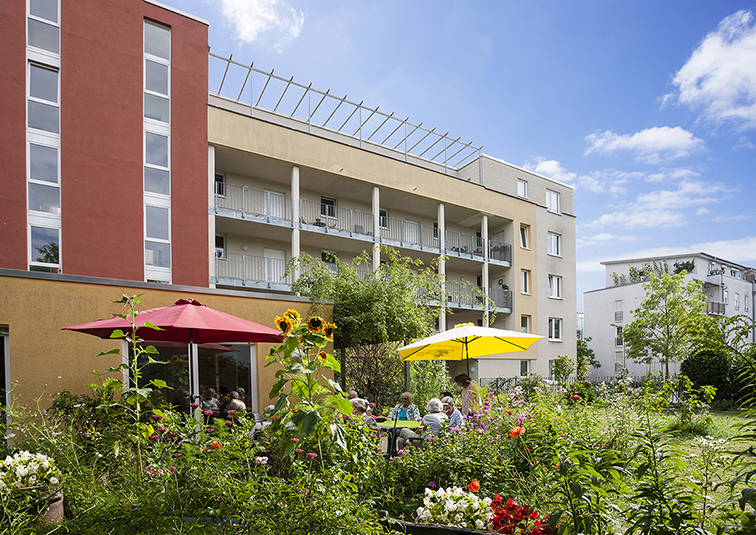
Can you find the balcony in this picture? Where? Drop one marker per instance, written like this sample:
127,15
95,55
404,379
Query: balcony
464,296
242,202
250,271
715,309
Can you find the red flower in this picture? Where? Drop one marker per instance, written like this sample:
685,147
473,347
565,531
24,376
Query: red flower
574,396
516,431
474,485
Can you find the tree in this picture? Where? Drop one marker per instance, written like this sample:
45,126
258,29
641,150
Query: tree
664,320
374,313
562,368
585,358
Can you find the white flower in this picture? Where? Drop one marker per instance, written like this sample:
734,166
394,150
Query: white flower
479,524
54,481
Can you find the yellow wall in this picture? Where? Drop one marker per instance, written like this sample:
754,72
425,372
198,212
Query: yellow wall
45,360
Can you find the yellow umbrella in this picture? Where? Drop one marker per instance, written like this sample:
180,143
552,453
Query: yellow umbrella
468,341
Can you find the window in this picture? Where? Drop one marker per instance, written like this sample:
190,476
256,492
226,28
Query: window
45,249
737,301
220,185
618,313
156,89
745,302
329,257
435,230
725,296
43,183
524,324
525,281
618,336
524,367
552,201
522,188
43,26
555,244
524,236
555,286
43,111
382,218
328,207
220,247
555,329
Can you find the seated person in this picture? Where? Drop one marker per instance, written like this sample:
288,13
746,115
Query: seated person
359,411
234,403
433,421
455,417
353,394
208,402
405,410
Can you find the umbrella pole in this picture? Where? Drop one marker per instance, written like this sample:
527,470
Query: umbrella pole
194,371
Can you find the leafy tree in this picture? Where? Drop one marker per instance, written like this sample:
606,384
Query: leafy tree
665,319
563,367
374,312
585,358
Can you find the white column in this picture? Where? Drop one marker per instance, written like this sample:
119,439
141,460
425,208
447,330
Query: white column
295,244
441,262
376,228
484,274
211,215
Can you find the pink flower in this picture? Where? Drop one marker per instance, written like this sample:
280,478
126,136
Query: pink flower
401,452
299,450
207,413
157,417
294,439
154,437
210,430
231,412
229,424
312,455
194,405
177,454
261,460
161,430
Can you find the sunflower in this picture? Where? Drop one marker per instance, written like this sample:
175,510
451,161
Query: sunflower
323,356
293,315
315,324
284,323
328,329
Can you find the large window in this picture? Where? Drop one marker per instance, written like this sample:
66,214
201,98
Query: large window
555,329
555,286
554,244
157,152
328,207
552,201
43,136
525,281
522,188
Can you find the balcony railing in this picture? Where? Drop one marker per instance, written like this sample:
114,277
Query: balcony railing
277,208
462,295
249,268
502,298
715,309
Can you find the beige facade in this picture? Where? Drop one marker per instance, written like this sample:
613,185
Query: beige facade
280,187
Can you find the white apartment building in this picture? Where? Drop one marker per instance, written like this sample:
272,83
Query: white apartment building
729,289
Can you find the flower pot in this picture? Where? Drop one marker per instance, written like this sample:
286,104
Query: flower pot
47,507
53,513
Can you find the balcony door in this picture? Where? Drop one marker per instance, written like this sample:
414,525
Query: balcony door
275,204
275,265
412,232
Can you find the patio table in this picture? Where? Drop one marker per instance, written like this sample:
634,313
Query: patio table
391,426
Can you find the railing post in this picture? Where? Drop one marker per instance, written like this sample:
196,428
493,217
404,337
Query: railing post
244,200
351,222
244,269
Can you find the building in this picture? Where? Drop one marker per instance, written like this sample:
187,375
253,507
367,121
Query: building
123,173
729,289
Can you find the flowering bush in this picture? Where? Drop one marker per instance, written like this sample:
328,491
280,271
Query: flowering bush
27,469
454,506
515,519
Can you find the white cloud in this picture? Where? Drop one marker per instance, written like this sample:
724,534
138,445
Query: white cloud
276,20
719,78
742,250
744,143
702,211
652,145
672,174
662,208
728,218
552,169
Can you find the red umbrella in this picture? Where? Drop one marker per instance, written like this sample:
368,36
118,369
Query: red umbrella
186,321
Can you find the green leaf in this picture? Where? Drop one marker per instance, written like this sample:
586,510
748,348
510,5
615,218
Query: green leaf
342,403
306,421
111,352
159,383
118,333
277,387
338,435
150,350
283,402
149,325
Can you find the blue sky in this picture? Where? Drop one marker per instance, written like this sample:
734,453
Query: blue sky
647,108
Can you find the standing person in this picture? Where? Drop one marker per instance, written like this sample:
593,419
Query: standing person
470,393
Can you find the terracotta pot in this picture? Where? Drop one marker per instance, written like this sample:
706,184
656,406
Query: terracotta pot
53,513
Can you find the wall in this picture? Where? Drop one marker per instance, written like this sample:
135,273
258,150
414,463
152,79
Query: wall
45,360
